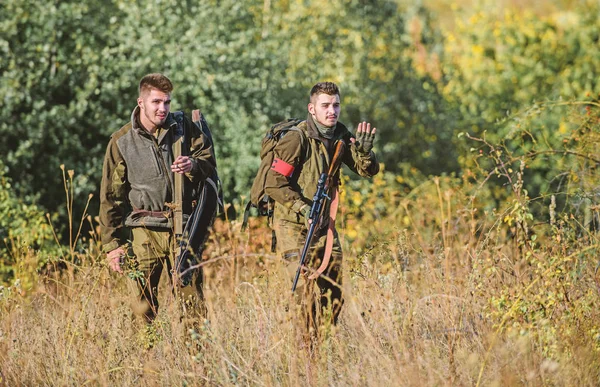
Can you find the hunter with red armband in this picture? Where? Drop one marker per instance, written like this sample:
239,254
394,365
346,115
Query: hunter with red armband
300,158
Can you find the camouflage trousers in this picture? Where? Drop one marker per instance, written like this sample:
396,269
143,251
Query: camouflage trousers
321,299
152,252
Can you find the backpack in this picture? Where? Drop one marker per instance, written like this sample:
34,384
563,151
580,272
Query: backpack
258,198
214,180
200,122
209,197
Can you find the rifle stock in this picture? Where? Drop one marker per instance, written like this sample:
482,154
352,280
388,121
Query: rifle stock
323,185
185,254
195,233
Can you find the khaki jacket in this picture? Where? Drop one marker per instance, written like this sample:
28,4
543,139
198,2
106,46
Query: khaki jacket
137,183
309,157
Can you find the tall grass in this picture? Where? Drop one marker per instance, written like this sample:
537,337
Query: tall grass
443,300
443,286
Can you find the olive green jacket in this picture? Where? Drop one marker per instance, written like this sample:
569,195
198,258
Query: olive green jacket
309,157
137,183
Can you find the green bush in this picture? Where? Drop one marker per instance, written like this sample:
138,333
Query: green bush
496,65
517,77
24,231
70,73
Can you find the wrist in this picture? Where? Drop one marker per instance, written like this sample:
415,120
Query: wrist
305,211
363,152
194,166
297,205
112,245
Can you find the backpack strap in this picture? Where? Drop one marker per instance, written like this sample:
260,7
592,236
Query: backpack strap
201,123
295,122
303,140
214,180
246,215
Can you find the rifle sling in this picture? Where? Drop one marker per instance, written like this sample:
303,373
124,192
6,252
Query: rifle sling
333,207
178,149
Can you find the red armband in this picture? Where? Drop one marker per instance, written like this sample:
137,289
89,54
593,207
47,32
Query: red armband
282,167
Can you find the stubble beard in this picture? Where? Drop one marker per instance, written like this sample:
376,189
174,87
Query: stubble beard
326,123
155,121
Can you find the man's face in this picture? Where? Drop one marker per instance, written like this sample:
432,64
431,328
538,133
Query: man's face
155,106
325,108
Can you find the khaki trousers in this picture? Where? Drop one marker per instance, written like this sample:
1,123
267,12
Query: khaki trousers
153,251
320,298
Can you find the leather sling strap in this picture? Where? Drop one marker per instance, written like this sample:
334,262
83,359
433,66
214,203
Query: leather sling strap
335,200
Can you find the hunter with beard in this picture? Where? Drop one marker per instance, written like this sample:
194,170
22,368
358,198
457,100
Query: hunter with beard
300,157
137,191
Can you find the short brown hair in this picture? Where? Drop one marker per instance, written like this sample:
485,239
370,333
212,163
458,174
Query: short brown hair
328,88
155,81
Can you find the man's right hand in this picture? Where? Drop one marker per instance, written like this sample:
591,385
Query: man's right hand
114,259
305,211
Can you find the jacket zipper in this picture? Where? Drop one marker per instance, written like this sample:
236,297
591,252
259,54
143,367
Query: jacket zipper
162,164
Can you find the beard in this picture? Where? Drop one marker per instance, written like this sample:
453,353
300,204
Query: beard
153,118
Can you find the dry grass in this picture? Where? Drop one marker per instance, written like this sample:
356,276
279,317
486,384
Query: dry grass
436,293
415,314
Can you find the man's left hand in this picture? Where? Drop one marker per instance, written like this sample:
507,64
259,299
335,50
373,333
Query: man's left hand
364,137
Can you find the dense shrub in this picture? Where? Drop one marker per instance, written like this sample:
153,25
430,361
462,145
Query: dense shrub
26,236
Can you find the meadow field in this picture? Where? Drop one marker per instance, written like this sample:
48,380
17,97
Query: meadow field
472,259
436,293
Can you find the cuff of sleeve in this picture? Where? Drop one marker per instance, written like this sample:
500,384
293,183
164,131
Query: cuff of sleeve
299,205
365,156
107,248
305,211
195,168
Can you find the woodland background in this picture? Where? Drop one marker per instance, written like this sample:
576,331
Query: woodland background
472,259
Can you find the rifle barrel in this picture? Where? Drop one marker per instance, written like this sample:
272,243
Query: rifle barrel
323,185
315,212
309,236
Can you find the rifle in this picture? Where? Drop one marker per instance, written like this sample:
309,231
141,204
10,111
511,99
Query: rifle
191,238
195,232
323,185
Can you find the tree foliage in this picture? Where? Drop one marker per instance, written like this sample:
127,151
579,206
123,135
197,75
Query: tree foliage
517,78
498,65
56,108
23,228
71,70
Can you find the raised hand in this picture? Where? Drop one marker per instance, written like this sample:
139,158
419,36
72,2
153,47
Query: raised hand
364,137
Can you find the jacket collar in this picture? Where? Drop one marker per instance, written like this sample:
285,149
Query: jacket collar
313,132
137,127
